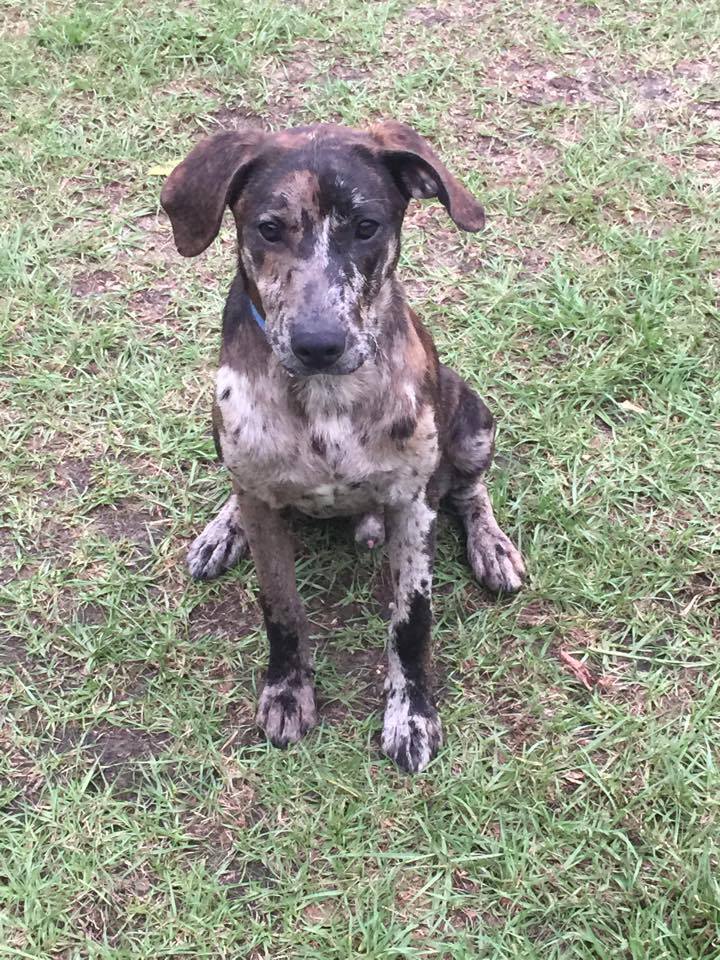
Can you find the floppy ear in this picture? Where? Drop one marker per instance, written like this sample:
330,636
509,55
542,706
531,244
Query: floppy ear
196,192
420,173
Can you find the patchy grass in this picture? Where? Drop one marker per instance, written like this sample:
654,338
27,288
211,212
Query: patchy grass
142,813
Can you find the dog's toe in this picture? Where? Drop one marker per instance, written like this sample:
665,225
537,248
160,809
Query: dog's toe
286,710
218,548
411,737
370,531
496,562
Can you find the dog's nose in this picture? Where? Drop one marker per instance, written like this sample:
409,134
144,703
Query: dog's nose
318,349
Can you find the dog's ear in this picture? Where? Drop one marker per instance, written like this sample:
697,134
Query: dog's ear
420,173
196,192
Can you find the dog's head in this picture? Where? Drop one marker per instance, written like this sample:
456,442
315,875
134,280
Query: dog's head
318,213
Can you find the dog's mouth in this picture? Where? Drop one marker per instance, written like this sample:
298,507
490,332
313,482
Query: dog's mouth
340,368
355,354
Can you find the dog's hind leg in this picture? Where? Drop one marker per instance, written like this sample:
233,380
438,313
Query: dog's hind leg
221,544
495,561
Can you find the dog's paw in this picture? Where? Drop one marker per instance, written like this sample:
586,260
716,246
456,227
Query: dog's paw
412,732
286,710
496,562
370,531
219,547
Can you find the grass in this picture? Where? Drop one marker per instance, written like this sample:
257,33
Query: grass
142,813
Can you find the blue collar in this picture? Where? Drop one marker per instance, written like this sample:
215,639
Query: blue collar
257,317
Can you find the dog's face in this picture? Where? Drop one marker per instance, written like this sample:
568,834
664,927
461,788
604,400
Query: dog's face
318,234
318,213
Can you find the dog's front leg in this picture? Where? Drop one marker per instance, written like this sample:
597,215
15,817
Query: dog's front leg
286,710
411,732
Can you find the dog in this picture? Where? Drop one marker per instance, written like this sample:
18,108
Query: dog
330,398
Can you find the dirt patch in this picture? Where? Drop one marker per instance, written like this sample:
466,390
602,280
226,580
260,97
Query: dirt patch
69,610
127,522
535,82
240,727
102,917
578,13
106,197
234,614
157,248
537,613
288,80
150,306
444,247
427,16
88,283
53,540
236,117
22,780
8,555
99,920
15,26
364,673
186,87
74,474
13,651
702,590
118,752
218,832
69,475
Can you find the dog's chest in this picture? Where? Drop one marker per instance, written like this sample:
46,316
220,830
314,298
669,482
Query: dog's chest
327,464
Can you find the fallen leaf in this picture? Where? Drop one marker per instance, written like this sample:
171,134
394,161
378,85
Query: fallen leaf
162,169
631,407
578,669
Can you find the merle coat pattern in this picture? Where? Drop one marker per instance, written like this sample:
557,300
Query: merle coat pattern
338,404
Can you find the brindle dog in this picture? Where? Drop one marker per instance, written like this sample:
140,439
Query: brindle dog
330,398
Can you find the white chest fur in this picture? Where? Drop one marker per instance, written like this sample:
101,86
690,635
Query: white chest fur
331,459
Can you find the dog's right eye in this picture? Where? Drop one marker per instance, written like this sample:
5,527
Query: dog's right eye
366,229
270,231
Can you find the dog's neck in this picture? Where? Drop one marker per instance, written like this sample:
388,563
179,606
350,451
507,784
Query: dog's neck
328,395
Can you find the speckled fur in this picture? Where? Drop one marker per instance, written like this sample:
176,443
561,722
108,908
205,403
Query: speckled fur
381,435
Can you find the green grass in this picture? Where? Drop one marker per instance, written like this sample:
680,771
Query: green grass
143,815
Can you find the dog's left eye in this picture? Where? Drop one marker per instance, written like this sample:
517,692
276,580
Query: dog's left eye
366,229
269,230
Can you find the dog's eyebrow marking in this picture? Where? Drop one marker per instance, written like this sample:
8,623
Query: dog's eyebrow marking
357,197
300,188
276,211
358,200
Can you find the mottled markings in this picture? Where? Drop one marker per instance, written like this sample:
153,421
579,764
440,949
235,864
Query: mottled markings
390,436
403,428
318,444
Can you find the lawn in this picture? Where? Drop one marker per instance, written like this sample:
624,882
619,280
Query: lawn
572,812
